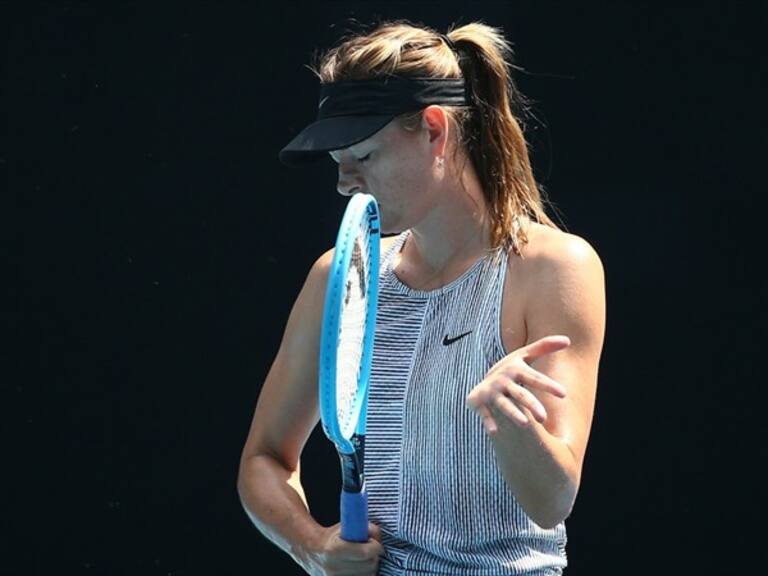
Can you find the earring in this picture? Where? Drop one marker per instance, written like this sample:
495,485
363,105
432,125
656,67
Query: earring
440,162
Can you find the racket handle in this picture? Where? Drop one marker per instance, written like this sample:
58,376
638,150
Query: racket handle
354,516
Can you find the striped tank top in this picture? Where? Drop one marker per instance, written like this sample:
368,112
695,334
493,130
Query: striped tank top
430,471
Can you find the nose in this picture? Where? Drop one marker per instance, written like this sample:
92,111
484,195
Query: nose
348,184
349,180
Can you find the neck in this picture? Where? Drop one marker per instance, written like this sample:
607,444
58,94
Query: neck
455,232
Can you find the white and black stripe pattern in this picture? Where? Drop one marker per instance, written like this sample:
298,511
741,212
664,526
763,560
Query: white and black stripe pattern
431,477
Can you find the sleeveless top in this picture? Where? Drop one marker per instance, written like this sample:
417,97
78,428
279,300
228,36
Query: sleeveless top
430,470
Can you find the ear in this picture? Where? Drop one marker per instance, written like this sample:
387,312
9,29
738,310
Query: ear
434,120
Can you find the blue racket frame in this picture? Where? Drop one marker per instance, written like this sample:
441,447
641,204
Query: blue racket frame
350,443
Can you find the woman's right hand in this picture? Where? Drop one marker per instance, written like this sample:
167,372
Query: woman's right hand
329,555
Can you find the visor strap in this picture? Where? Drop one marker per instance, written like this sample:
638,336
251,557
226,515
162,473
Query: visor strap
391,95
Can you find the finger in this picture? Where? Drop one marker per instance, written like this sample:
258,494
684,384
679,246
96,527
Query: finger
374,540
473,398
509,410
525,398
532,378
545,345
481,394
374,532
346,552
510,384
505,386
357,553
488,421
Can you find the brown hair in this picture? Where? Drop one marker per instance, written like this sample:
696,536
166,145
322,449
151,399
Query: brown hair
488,129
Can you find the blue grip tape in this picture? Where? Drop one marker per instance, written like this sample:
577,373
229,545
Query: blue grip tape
354,516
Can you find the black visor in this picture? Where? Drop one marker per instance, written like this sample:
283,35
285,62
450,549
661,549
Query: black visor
352,110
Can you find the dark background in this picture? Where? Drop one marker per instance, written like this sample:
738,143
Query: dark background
157,245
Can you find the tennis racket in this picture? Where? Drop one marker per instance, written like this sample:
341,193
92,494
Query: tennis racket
346,350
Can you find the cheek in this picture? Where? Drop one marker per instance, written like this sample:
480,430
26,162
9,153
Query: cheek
403,173
397,179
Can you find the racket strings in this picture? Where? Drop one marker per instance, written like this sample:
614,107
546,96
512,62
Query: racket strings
352,331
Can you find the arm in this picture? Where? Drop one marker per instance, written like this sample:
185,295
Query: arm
537,403
287,411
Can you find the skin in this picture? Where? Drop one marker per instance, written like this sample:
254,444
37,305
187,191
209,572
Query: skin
536,403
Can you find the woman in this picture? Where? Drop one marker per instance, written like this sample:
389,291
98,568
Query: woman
489,330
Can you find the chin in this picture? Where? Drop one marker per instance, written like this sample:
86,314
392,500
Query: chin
388,230
386,225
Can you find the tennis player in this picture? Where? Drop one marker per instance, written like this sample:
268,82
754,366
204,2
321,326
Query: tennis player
489,331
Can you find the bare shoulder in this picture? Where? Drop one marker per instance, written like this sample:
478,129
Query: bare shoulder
563,289
553,254
309,302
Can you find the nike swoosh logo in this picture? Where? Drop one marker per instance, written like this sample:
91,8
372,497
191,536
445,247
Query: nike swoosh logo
447,341
322,102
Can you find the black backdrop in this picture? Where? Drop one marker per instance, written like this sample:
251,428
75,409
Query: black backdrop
156,246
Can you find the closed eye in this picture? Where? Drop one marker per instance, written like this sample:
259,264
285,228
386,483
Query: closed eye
364,158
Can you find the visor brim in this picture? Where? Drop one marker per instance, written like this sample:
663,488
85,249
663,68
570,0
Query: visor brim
328,134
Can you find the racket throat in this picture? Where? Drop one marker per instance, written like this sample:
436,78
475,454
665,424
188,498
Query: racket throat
352,477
